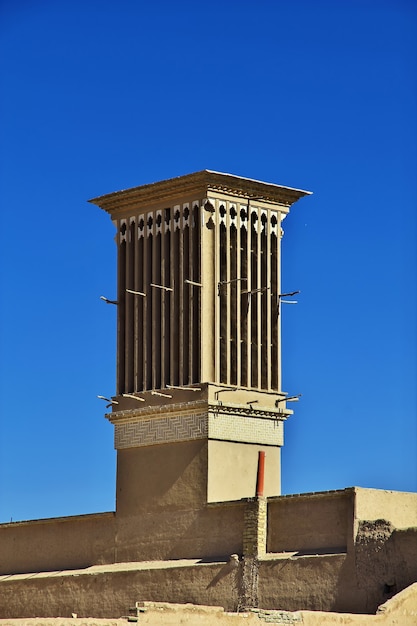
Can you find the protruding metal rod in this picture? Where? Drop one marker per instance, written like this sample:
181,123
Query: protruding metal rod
136,293
192,282
158,393
130,395
288,399
291,293
283,295
162,287
109,400
107,301
255,290
260,479
228,282
184,388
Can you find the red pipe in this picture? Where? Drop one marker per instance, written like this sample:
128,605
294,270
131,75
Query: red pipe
261,475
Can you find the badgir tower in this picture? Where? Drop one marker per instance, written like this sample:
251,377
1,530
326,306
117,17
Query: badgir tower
199,414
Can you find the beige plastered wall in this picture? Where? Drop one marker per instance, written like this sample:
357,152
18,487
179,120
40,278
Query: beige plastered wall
161,493
400,508
285,583
110,592
58,543
400,610
315,522
308,582
232,470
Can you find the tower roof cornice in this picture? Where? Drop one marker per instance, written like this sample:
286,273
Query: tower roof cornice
199,184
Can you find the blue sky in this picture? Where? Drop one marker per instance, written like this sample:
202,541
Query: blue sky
101,96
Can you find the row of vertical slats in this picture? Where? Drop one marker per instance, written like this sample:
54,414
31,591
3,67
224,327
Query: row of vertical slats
247,324
159,335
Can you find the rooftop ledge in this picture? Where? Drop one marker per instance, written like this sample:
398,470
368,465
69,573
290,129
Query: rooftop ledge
199,184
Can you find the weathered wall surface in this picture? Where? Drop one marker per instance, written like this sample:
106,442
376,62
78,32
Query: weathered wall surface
308,582
310,522
400,610
109,592
61,543
385,561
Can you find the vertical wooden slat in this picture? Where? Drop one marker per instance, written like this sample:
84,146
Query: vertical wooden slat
254,298
175,295
189,293
208,294
146,302
241,284
234,297
135,304
250,303
216,220
278,292
223,294
227,294
149,302
259,299
265,294
274,317
129,307
126,309
268,297
139,300
179,284
185,291
156,304
164,281
244,300
121,292
172,300
168,295
196,291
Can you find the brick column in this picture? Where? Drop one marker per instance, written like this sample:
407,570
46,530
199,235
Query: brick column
254,531
254,547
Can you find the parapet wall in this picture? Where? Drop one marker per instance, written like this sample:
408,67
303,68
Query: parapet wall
400,508
318,522
82,541
212,531
57,544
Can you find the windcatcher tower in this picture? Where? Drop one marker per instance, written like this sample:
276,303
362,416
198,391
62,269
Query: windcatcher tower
198,336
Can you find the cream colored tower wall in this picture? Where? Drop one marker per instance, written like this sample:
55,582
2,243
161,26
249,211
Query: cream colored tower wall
233,467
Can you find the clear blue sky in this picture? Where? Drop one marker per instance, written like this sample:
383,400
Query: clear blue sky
98,96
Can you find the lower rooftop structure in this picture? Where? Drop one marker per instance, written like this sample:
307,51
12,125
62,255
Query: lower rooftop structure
346,551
